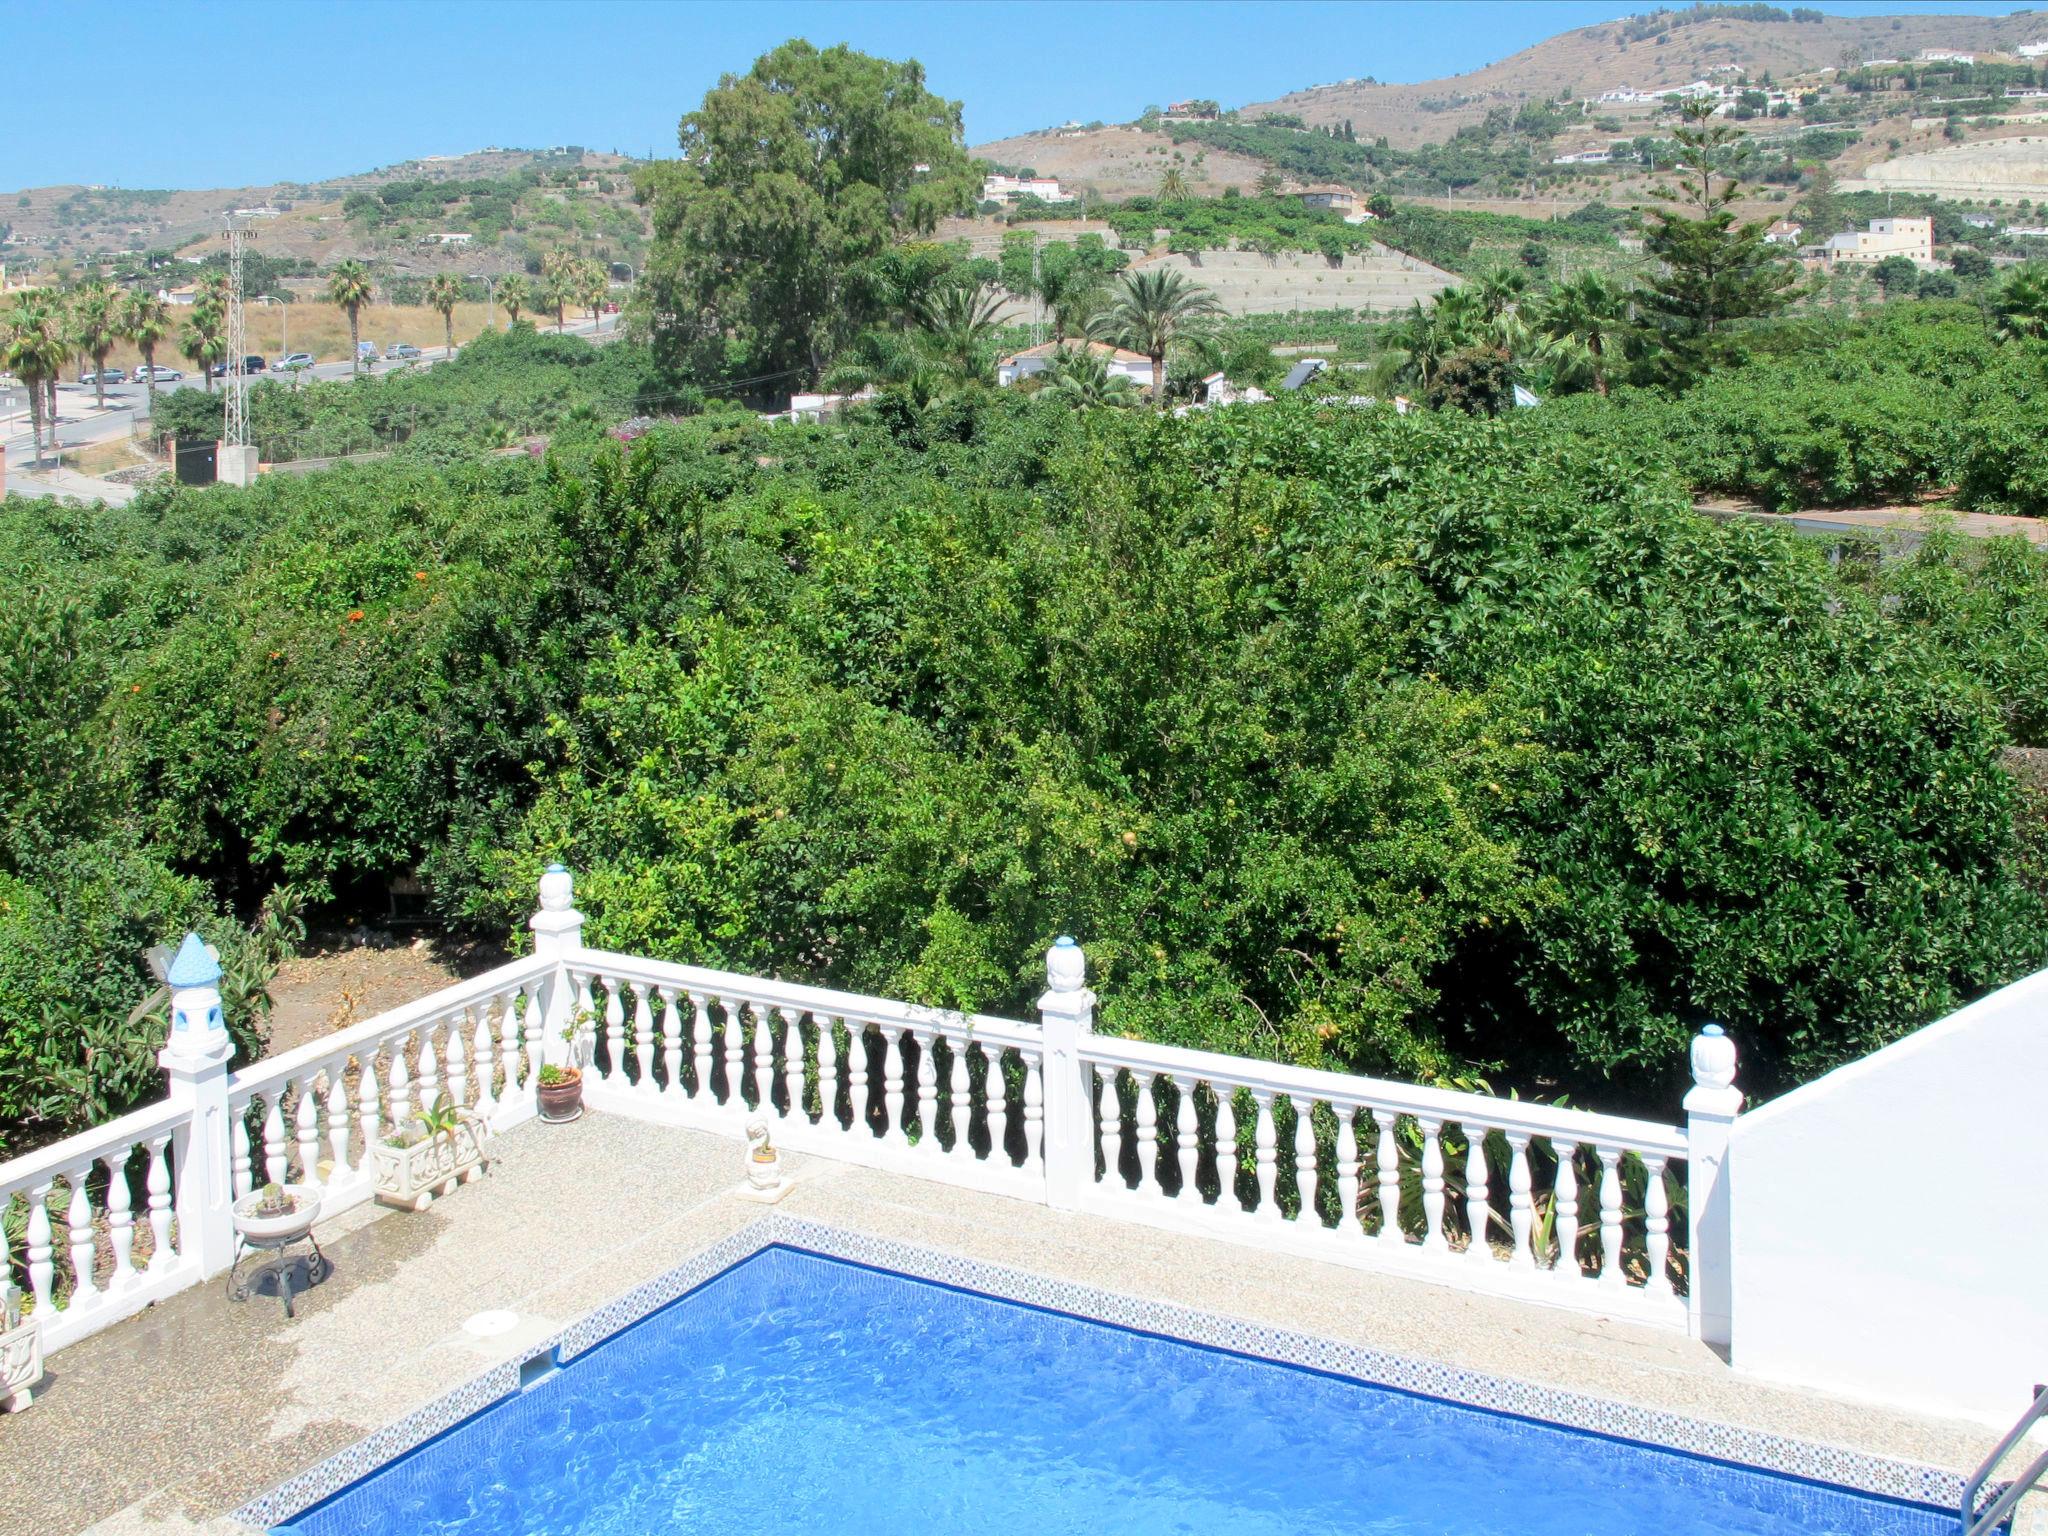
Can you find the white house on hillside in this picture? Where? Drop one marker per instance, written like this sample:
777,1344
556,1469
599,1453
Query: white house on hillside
1007,189
1911,238
1017,367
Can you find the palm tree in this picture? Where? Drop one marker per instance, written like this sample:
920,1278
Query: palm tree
1499,291
349,286
205,340
2021,308
550,293
444,293
514,295
558,281
593,285
1478,315
1172,186
957,324
1149,311
34,353
146,321
898,361
1079,376
1581,324
950,342
93,324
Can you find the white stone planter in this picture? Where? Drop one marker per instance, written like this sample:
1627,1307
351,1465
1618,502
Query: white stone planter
276,1231
21,1365
412,1176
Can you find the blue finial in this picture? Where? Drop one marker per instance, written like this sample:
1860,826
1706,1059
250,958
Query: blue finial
1713,1029
1064,941
557,869
194,965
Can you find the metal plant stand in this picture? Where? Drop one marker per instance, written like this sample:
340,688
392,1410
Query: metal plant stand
317,1267
275,1235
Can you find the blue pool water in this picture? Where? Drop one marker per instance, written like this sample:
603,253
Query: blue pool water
798,1394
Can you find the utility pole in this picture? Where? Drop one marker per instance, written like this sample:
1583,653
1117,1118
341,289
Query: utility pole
1035,329
235,461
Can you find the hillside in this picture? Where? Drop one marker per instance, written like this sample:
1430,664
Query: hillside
1589,60
1585,62
1121,162
70,223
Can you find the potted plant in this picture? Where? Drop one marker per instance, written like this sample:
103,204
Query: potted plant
561,1083
21,1352
276,1214
445,1147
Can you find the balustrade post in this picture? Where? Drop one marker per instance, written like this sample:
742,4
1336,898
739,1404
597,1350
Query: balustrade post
558,936
195,1062
1066,1016
1710,1110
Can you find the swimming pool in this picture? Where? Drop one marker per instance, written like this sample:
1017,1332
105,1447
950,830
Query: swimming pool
796,1392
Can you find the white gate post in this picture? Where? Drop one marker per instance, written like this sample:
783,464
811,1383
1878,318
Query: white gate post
1066,1017
557,935
1710,1110
195,1060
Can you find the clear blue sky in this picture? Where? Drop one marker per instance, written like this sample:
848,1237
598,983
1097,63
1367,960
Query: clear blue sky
240,93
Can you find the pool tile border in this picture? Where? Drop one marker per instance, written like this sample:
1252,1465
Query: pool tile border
1815,1460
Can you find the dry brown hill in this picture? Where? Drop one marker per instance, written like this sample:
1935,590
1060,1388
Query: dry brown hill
1589,60
1121,162
1582,62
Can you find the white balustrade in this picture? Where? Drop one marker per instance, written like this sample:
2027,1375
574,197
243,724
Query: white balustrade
643,1039
1470,1171
857,1077
828,1071
88,1261
1387,1175
1516,1198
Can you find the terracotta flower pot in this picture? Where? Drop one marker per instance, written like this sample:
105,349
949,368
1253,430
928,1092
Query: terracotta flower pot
564,1100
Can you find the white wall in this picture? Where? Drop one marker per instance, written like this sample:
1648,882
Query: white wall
1891,1219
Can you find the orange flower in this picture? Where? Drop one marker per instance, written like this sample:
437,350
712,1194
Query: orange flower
355,615
419,575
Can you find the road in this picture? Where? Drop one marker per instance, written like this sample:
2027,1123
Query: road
80,424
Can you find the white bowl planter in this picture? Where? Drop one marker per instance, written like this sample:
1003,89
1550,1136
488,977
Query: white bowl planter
276,1231
413,1175
21,1365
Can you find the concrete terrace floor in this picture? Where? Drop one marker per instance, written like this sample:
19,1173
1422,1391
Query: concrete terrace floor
167,1422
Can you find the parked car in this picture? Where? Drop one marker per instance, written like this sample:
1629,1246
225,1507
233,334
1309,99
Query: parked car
250,364
292,363
367,351
104,376
160,373
401,351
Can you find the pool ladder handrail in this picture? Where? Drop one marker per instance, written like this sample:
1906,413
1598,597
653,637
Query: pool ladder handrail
1976,1524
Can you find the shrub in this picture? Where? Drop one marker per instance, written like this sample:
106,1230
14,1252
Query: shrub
2002,453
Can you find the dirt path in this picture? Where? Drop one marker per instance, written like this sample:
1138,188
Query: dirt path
1909,520
344,978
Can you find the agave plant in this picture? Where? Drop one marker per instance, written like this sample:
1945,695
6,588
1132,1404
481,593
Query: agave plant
440,1119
